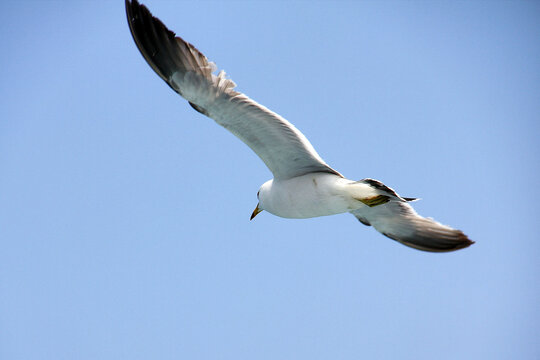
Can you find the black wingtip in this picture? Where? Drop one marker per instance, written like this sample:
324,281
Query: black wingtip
154,40
457,241
462,242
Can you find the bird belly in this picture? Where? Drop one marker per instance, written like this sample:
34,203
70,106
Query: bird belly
311,195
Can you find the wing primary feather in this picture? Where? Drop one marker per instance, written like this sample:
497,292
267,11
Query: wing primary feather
398,221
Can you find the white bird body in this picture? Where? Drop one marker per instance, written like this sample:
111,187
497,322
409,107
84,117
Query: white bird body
306,196
304,186
313,195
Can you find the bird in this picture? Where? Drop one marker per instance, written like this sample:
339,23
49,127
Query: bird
303,185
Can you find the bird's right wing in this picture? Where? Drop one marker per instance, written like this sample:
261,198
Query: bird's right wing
397,220
282,147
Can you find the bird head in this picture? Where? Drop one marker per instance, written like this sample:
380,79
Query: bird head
258,209
263,197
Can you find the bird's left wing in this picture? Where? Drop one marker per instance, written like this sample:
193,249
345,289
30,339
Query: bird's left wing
397,220
282,147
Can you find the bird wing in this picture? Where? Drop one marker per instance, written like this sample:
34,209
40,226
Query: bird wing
397,220
282,147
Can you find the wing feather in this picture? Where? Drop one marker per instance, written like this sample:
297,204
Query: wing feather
282,147
398,221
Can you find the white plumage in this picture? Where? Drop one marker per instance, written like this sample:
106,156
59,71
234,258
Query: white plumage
304,185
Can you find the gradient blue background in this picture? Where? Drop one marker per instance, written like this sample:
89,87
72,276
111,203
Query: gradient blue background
124,214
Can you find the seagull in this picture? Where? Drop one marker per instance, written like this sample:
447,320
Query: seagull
304,186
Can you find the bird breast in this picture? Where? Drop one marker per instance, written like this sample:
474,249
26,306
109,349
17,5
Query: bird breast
306,196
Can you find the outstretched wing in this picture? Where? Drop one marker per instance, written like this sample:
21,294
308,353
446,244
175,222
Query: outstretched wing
397,220
284,149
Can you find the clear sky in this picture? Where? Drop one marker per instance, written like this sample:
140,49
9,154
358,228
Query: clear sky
124,214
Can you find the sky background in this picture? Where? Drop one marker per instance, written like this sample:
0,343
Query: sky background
124,214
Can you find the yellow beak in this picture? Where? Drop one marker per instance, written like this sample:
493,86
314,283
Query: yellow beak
255,212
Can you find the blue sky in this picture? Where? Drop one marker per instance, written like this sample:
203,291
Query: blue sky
124,214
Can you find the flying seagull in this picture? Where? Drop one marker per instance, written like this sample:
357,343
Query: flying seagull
303,186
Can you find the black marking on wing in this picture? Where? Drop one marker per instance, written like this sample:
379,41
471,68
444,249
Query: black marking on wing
380,186
163,50
198,108
155,41
363,221
448,242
